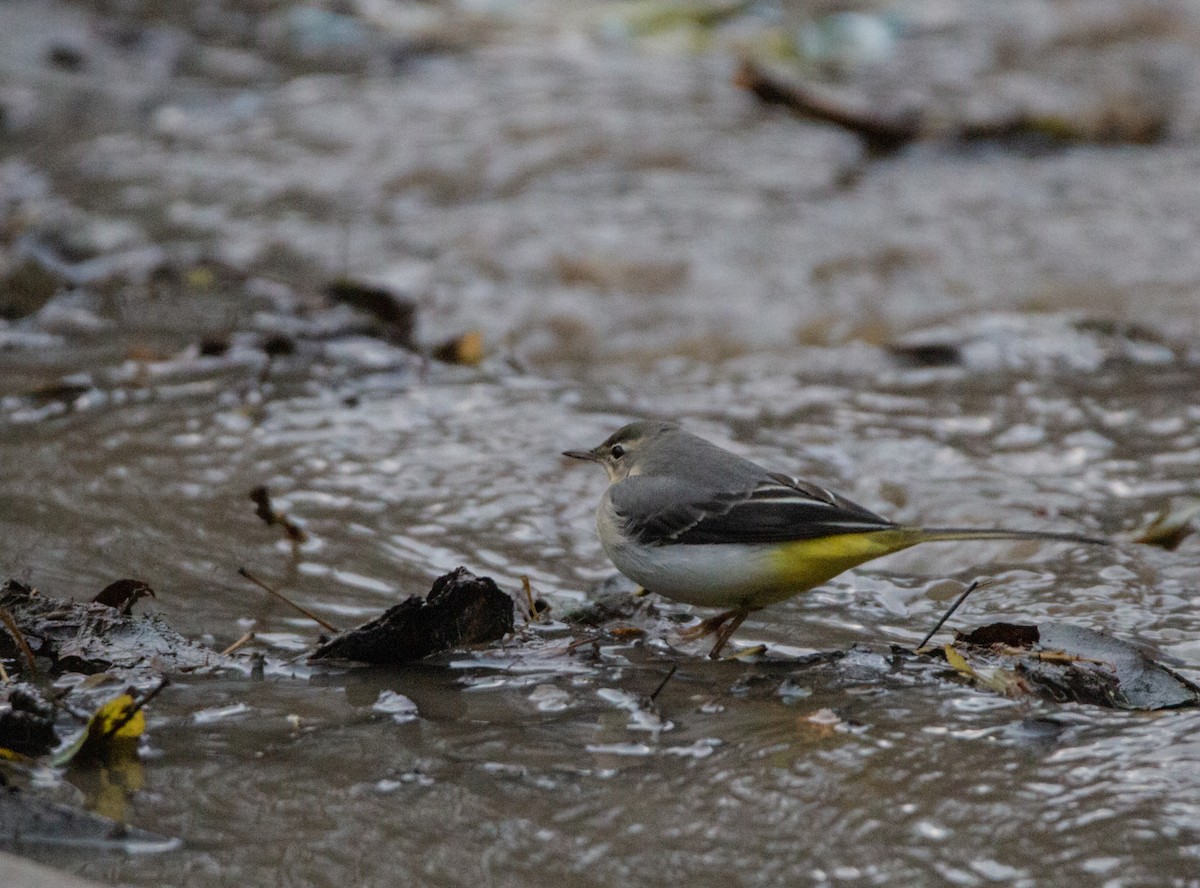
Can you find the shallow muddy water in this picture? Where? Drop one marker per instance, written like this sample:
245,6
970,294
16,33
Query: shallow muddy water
634,238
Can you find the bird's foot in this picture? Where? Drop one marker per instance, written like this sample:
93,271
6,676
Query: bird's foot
735,618
706,627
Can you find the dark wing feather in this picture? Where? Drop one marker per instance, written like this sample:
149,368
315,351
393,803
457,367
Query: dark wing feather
778,509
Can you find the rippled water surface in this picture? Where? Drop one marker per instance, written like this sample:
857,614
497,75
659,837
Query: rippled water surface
634,238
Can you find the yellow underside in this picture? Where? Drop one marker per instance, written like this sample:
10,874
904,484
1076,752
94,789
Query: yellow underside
805,564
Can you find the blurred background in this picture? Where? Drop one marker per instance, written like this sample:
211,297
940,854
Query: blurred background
391,258
586,182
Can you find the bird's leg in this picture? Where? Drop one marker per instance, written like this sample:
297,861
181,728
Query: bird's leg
736,618
706,627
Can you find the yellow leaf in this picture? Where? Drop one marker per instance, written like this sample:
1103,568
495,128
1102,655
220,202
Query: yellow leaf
112,731
958,661
1002,681
117,720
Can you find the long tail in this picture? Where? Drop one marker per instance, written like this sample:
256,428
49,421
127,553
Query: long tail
934,534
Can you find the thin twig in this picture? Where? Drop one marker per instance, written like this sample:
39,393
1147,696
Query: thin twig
241,642
958,601
662,684
583,642
7,619
1049,656
534,616
4,677
881,134
325,624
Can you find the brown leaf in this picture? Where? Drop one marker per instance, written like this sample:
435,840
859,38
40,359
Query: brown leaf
123,594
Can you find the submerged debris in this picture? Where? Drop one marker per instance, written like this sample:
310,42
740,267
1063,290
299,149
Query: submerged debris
1169,529
883,133
102,760
28,821
461,609
1068,664
261,498
1005,341
396,315
91,637
26,721
926,354
614,599
26,288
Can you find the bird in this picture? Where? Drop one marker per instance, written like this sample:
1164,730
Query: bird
693,522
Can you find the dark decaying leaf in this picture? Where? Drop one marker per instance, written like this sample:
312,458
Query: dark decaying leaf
278,346
926,354
263,508
1020,635
1072,664
26,288
123,594
213,346
397,314
26,721
461,609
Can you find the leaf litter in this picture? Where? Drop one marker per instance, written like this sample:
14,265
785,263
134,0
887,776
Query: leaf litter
103,639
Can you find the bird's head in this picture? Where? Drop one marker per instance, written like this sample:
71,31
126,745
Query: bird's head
622,451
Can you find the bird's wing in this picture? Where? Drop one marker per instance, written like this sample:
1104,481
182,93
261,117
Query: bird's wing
776,509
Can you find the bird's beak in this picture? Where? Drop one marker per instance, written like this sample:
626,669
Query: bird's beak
589,455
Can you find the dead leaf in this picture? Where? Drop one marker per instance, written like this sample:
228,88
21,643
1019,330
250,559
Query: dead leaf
466,349
1170,528
1069,663
123,594
111,732
261,498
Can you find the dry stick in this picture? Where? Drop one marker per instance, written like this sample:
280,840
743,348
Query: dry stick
534,616
881,134
7,619
662,684
1051,656
4,676
971,588
583,642
241,642
256,581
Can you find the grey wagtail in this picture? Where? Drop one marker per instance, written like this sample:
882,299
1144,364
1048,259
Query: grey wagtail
691,521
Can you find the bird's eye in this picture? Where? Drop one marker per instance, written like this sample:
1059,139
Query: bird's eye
617,451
